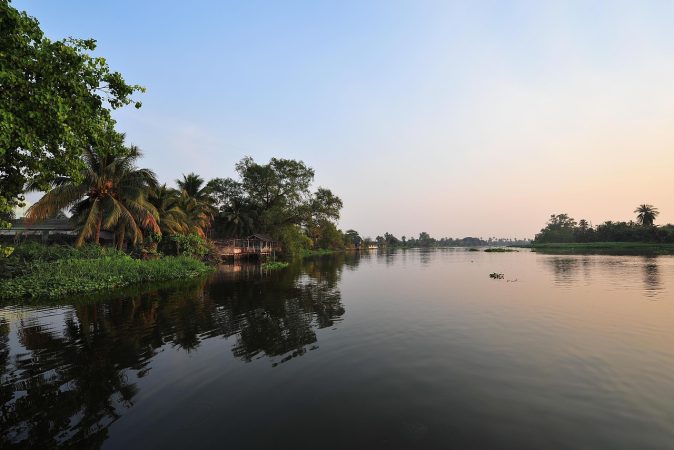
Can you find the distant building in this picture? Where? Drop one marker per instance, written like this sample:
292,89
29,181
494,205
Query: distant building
49,230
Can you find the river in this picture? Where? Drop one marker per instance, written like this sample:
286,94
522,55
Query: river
406,349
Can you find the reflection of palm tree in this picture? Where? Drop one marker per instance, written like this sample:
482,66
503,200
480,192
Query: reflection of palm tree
110,195
652,281
646,214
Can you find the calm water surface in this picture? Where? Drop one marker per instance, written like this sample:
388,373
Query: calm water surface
413,349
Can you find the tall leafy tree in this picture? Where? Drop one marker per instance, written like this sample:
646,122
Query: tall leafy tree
55,97
646,214
109,194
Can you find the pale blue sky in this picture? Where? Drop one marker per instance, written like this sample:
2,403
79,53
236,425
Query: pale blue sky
456,118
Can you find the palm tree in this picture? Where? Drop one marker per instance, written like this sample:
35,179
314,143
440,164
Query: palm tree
646,214
172,218
197,202
110,194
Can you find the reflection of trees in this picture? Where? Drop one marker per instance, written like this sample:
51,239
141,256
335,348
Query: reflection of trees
565,269
652,280
69,382
278,315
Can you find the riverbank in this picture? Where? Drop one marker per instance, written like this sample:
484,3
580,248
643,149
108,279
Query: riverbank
57,271
601,247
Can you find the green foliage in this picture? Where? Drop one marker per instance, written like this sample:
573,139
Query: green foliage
560,228
272,198
316,252
329,237
56,99
25,256
110,193
352,238
563,229
76,275
274,265
191,245
295,241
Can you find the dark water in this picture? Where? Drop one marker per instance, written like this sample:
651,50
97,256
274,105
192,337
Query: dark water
404,350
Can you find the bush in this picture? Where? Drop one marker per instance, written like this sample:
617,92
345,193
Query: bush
294,241
191,245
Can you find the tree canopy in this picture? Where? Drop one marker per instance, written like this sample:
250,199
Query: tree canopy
269,197
56,102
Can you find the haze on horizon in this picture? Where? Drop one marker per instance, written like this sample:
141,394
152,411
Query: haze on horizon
455,118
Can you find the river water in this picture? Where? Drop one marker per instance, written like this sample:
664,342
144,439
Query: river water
410,349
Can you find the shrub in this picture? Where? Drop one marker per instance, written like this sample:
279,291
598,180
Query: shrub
191,245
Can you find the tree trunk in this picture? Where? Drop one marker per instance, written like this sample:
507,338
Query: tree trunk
97,236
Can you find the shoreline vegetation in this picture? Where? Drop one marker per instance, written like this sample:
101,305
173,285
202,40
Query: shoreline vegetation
562,233
37,271
571,247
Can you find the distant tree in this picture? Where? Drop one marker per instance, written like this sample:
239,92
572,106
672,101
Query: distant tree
560,228
353,238
646,214
425,240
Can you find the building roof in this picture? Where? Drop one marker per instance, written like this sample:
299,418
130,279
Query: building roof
44,225
262,237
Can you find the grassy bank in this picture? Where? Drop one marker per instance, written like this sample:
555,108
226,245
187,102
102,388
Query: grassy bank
53,272
627,247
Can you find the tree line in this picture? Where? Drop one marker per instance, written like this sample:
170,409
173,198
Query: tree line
353,239
58,136
561,228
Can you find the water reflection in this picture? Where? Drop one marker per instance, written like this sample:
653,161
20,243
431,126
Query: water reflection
565,269
66,377
652,278
572,269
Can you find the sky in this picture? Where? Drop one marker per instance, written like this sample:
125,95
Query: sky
472,118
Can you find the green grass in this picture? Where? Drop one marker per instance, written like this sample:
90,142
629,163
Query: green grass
499,250
45,278
274,265
635,247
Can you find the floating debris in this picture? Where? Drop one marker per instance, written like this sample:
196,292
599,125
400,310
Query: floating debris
496,276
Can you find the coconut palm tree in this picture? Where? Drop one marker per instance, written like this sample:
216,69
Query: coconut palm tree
646,214
110,194
172,218
197,201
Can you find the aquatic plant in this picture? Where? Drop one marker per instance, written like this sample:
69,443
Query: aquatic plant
496,276
54,279
274,265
